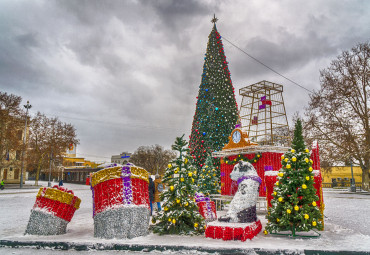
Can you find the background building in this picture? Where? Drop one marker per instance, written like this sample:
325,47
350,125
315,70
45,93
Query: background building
342,175
122,158
10,165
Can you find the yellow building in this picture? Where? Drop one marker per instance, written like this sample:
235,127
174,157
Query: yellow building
10,165
77,162
342,174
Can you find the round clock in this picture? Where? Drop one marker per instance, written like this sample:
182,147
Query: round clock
237,136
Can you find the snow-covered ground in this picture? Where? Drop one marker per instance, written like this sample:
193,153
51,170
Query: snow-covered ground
347,226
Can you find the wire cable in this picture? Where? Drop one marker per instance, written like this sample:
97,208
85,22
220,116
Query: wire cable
260,62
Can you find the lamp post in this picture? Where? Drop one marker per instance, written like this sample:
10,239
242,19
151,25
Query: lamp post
27,106
353,184
51,159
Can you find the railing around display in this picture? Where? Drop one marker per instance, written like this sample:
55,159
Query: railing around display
222,203
344,184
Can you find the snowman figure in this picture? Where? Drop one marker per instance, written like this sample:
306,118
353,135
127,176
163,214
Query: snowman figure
243,206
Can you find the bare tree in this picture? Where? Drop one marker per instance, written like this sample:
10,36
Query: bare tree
152,158
338,114
49,138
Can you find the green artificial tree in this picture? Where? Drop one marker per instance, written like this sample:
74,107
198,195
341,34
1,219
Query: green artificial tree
216,110
180,212
209,178
294,205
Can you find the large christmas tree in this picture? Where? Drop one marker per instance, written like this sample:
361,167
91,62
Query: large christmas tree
294,204
216,110
180,212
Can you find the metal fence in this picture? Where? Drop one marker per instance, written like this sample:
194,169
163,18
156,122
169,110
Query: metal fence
341,184
222,203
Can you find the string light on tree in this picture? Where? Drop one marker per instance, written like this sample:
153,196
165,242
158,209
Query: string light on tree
294,205
180,215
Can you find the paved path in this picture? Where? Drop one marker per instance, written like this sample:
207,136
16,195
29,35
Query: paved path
350,210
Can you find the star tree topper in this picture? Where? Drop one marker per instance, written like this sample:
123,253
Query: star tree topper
214,20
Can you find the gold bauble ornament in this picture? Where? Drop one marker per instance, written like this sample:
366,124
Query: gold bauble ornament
296,208
304,186
171,188
288,166
292,150
313,203
280,199
190,174
169,165
294,159
314,223
195,225
289,211
306,216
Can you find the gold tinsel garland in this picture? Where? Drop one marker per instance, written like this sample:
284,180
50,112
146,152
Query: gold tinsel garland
105,175
61,196
115,172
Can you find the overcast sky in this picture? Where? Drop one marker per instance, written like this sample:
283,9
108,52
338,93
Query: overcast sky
127,73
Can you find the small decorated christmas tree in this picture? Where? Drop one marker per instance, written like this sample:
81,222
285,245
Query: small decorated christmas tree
209,178
180,212
294,204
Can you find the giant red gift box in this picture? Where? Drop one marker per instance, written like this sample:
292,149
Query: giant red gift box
58,201
108,188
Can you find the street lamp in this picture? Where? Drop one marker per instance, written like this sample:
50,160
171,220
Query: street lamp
27,106
51,159
353,183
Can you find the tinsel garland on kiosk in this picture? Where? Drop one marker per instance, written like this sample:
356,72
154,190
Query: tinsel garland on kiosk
235,159
52,211
120,202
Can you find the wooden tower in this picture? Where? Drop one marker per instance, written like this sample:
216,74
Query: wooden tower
262,114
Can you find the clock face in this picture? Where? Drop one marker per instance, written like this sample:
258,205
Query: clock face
237,136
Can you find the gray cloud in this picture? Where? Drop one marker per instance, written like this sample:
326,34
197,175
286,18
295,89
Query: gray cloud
127,73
